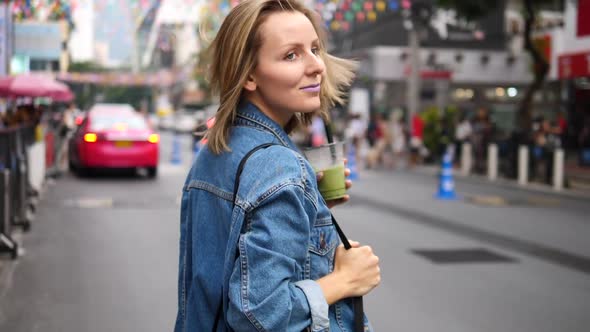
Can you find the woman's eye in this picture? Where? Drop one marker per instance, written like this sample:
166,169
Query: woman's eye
291,56
315,50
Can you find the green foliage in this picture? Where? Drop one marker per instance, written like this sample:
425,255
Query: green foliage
86,67
87,94
126,94
431,128
439,129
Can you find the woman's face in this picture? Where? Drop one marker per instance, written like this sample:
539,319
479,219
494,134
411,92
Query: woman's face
289,68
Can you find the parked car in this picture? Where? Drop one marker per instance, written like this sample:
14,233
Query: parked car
114,136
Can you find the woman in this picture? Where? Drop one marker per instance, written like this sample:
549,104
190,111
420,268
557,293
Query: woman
284,271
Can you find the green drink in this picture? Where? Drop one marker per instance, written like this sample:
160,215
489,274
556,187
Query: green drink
329,159
332,185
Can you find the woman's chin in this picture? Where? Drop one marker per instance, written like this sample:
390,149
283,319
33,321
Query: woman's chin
311,107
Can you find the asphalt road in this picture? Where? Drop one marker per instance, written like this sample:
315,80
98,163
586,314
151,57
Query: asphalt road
102,255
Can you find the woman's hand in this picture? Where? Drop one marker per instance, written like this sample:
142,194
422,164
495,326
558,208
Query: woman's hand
356,272
348,184
358,268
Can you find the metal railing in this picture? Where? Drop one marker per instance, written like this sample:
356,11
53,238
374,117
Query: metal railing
17,196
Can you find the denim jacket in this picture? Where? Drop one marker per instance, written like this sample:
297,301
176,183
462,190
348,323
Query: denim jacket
265,270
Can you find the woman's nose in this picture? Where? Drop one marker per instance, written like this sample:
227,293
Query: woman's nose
315,64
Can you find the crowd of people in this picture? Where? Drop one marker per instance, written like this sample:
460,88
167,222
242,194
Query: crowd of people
388,140
20,115
55,118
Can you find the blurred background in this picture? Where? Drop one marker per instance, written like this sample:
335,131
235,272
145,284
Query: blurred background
467,131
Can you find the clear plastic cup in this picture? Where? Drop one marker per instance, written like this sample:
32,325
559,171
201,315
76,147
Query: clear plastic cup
329,159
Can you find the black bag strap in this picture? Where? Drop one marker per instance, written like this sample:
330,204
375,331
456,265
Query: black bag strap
357,302
236,185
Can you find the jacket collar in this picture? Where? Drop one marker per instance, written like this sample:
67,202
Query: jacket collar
248,114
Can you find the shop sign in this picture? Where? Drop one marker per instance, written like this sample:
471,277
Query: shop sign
574,65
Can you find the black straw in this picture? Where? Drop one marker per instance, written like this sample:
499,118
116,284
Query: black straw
328,129
330,138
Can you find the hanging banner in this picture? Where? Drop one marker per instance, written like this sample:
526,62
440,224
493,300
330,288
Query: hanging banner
162,78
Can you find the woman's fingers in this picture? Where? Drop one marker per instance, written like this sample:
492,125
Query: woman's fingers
338,201
348,184
319,176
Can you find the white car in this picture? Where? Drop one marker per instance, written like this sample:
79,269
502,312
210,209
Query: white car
184,122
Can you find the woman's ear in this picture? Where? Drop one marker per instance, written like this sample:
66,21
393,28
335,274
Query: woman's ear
250,84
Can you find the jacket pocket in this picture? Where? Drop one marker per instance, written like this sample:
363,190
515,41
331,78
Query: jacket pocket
324,240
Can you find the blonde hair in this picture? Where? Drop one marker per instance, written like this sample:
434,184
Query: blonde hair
234,51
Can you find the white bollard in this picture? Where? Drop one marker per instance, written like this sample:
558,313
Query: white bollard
558,157
523,165
466,159
492,161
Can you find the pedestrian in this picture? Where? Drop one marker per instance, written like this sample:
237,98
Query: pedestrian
355,133
266,258
317,131
417,148
481,137
66,129
398,137
584,143
462,136
381,143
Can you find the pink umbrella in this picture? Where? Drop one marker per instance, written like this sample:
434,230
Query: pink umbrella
34,85
59,91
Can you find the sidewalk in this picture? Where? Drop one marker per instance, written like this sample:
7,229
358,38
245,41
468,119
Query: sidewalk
573,173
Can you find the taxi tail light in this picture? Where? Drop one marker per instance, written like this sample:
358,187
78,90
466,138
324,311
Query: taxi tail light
154,138
91,137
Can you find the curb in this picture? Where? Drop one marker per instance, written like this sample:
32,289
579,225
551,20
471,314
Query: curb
508,184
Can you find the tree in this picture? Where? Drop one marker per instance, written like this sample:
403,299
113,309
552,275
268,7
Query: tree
471,10
86,93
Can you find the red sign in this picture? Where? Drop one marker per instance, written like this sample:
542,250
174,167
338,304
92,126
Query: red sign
430,73
574,65
583,23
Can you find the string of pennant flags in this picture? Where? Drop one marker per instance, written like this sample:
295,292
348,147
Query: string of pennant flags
342,15
164,78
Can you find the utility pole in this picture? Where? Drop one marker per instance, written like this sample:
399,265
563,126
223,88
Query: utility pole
416,18
413,82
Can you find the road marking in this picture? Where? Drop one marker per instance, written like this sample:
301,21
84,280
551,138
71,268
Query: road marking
90,203
487,200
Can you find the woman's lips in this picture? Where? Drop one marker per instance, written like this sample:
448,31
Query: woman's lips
311,88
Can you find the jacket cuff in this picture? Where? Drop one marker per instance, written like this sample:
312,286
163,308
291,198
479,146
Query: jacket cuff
317,304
